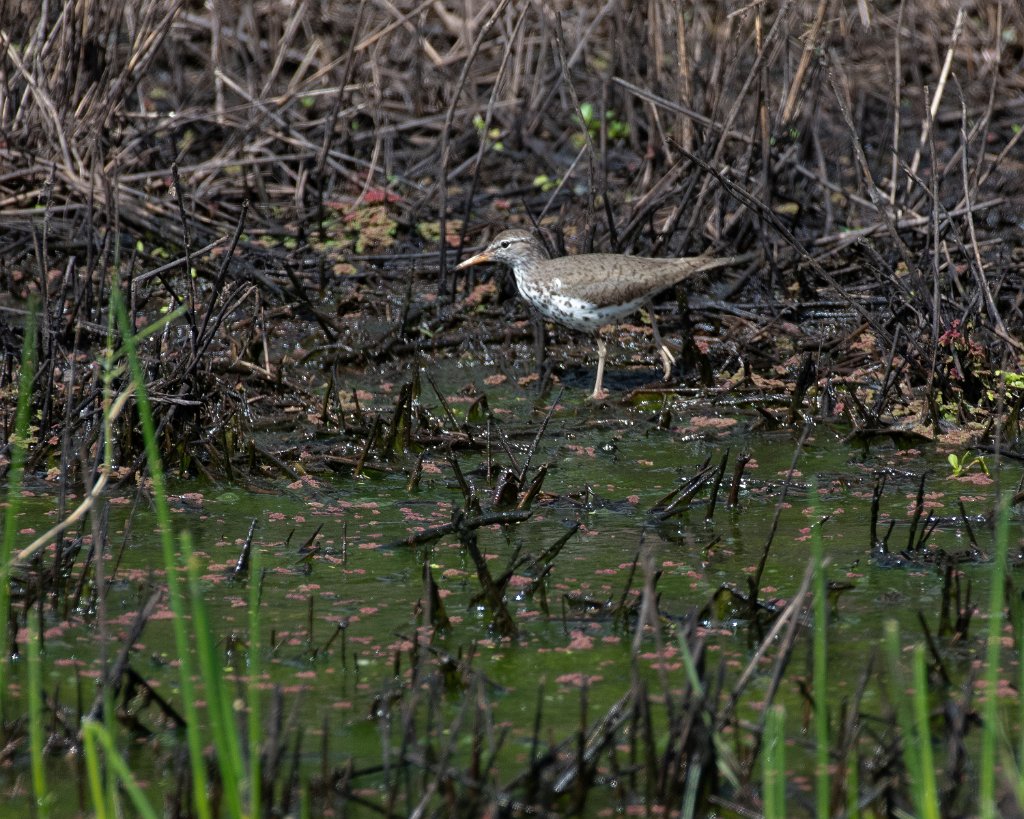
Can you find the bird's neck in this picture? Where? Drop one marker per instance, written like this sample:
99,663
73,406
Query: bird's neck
529,260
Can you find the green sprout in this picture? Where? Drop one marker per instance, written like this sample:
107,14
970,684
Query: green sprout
544,182
1013,380
492,136
962,464
588,118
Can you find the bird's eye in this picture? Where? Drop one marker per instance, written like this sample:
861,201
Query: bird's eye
505,243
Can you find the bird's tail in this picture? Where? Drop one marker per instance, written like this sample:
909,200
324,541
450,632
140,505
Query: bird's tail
715,262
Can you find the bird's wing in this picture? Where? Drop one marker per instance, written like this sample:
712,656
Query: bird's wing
606,279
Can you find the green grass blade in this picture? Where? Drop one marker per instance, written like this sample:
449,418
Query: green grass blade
990,706
254,671
220,716
176,597
928,799
852,786
899,700
1017,613
101,808
150,329
36,732
820,664
774,757
1017,619
92,731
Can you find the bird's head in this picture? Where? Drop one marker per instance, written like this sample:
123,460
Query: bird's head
513,247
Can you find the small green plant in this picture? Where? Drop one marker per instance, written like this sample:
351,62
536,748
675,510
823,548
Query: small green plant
544,182
1013,380
366,228
491,135
588,118
962,464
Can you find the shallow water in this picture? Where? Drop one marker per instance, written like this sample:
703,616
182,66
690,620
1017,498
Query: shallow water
608,467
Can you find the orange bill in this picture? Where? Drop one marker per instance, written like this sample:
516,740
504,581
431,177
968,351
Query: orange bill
480,258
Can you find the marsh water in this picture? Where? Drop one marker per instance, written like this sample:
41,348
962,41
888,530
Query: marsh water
342,599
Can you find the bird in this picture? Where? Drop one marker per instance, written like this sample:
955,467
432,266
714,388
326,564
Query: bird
589,290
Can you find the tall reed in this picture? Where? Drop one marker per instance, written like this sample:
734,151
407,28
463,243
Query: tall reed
990,706
175,594
820,665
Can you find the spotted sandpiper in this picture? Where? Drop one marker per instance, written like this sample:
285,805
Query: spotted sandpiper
587,291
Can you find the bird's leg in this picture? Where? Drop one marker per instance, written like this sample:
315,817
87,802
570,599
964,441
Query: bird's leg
602,354
538,341
667,359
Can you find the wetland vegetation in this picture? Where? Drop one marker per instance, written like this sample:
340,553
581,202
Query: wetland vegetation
299,521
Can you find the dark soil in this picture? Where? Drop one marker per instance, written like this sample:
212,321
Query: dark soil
305,167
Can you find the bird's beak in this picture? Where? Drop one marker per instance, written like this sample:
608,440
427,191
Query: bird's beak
480,258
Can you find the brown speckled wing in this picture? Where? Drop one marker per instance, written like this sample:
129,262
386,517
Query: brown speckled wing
607,279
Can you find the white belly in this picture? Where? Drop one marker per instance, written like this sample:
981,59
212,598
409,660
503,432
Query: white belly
573,312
